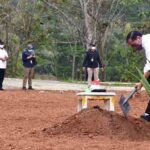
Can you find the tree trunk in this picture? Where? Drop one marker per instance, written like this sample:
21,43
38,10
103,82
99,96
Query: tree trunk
88,23
73,67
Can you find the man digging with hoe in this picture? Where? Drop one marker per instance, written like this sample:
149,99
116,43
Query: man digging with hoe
139,41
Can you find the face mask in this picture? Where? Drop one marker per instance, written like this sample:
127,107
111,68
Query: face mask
138,47
2,46
93,48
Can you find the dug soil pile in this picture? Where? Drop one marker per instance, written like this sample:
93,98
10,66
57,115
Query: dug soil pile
97,122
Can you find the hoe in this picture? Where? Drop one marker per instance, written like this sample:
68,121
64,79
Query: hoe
123,102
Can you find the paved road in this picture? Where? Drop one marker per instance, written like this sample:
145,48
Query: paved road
12,83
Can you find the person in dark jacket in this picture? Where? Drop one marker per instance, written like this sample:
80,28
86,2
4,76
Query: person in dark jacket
92,63
29,62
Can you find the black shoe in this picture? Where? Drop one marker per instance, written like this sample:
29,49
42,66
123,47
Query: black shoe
1,89
145,117
24,88
30,88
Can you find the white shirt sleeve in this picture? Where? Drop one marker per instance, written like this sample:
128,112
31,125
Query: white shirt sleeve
146,46
6,54
3,54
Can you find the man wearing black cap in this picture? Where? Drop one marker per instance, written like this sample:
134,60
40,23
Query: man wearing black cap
29,62
92,62
139,41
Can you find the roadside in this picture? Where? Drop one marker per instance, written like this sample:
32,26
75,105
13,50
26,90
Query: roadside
13,83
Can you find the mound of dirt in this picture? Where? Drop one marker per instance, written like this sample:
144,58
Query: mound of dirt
95,122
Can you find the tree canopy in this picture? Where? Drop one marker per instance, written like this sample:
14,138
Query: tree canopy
61,31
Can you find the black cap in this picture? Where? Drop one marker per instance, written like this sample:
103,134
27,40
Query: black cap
93,45
133,35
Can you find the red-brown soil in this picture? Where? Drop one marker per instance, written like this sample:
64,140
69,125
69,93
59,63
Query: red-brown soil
97,122
47,120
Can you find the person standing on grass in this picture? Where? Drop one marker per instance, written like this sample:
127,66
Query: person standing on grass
139,41
92,63
29,62
3,63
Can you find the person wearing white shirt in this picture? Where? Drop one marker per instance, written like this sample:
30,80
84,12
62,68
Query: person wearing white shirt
3,63
139,41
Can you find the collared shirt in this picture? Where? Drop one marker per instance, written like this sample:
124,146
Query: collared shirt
146,46
29,63
3,54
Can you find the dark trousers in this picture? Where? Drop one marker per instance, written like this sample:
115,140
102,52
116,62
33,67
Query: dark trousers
148,105
2,74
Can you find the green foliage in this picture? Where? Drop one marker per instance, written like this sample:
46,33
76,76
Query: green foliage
56,27
144,82
122,60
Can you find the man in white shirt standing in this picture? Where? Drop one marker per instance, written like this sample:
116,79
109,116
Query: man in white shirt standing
139,41
3,63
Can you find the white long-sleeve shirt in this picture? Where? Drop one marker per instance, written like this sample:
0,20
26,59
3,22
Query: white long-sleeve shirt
146,46
3,54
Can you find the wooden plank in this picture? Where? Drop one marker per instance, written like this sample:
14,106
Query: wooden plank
96,94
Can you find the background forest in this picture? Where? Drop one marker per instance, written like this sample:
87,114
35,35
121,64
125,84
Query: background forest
62,29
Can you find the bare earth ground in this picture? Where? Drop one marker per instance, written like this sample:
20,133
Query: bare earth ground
47,120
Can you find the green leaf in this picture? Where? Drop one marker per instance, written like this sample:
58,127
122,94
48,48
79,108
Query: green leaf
144,82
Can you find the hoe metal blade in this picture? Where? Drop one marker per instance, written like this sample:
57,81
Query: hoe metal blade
123,102
124,105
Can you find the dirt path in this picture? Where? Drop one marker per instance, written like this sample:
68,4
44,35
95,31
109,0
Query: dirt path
26,118
11,83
